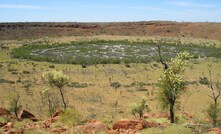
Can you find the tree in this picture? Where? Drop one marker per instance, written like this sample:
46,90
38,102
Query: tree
14,103
57,80
50,99
171,83
214,109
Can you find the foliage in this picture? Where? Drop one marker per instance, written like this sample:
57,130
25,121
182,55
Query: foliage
14,103
171,83
71,117
138,109
49,98
115,85
57,80
77,85
204,81
84,53
173,129
214,113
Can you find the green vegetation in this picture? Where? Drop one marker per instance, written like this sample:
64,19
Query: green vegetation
173,129
58,80
139,109
109,52
71,117
171,83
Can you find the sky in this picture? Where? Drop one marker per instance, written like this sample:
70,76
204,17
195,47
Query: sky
109,10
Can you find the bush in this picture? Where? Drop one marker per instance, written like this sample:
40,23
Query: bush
26,72
51,66
138,109
115,85
214,113
71,117
204,81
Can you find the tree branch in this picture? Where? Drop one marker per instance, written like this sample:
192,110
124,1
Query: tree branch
160,58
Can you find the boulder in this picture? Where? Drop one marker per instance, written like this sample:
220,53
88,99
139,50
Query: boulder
134,124
91,127
154,115
2,124
4,112
58,130
55,117
57,113
215,130
24,114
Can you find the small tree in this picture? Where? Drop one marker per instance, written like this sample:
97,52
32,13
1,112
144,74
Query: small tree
50,99
214,108
57,80
171,83
14,103
140,108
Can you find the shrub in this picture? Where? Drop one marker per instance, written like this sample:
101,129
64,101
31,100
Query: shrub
115,85
51,66
204,81
138,109
71,117
58,80
26,72
214,113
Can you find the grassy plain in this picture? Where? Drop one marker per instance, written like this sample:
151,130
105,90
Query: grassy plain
99,100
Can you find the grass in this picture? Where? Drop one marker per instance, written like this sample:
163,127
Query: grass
108,52
90,91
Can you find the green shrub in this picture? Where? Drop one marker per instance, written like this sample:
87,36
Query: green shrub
26,72
204,81
71,117
138,109
51,66
214,113
115,85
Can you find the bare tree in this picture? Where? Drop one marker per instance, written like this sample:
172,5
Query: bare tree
214,109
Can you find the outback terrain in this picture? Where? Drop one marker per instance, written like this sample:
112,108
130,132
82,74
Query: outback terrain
98,78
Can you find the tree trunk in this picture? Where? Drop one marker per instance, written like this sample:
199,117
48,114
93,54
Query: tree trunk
62,97
172,118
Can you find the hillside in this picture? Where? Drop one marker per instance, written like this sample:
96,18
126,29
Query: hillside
35,30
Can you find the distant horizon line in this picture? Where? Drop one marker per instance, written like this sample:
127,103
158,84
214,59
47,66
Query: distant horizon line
108,21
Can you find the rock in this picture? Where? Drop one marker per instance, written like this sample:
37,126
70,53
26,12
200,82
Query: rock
134,124
55,117
153,115
58,130
2,124
4,112
112,132
24,114
57,113
215,130
8,126
91,127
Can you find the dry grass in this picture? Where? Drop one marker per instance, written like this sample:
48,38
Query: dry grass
97,100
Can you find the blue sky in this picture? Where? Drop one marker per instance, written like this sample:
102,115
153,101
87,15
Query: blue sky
109,10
